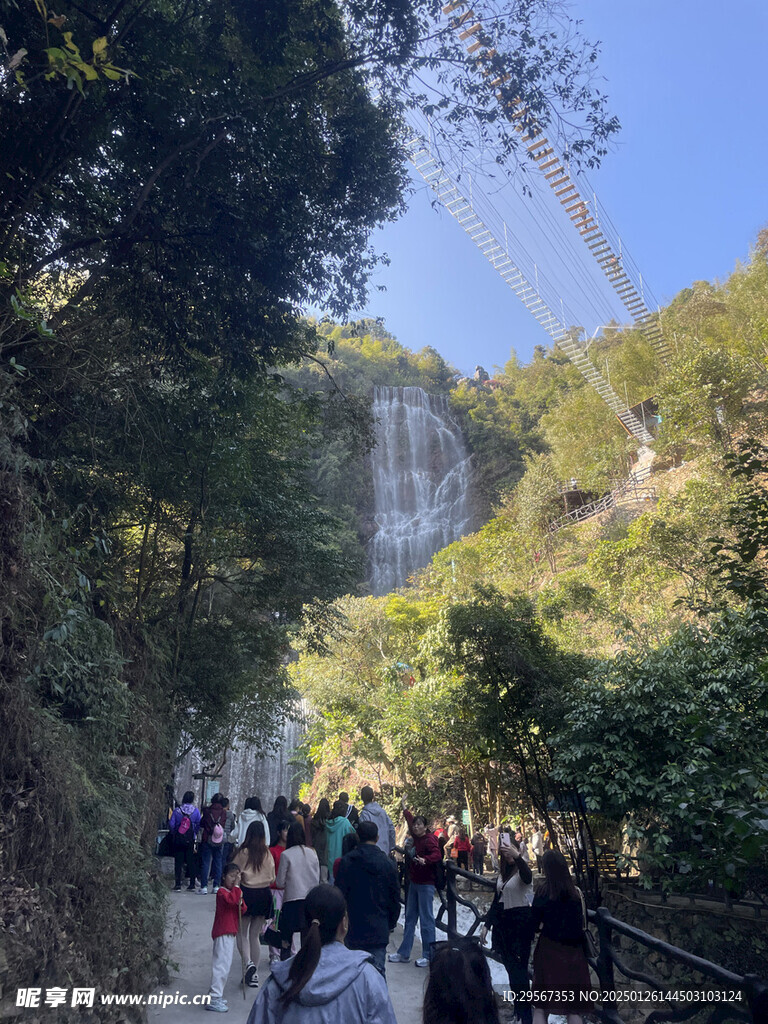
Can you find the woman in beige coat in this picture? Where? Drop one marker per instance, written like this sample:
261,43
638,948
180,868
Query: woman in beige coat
257,872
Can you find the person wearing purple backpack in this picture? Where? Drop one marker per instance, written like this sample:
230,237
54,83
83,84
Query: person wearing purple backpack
184,826
213,821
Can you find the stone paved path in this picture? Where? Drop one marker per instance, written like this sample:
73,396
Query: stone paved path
189,931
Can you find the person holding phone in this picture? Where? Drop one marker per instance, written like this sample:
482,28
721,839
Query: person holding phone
510,919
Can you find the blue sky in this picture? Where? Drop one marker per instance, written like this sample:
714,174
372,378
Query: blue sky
686,182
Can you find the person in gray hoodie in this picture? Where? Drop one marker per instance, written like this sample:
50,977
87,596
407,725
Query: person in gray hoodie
325,983
373,811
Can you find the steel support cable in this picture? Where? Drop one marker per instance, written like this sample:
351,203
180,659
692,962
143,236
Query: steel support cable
462,210
579,279
605,219
502,226
533,266
559,179
580,274
562,247
585,269
539,265
424,132
550,291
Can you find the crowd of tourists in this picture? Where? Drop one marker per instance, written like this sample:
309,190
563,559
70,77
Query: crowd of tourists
322,890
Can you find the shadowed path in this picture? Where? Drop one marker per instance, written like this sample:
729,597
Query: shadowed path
189,933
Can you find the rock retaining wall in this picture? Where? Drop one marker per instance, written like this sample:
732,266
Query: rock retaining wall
732,938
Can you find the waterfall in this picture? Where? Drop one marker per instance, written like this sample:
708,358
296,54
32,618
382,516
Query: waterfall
247,773
421,476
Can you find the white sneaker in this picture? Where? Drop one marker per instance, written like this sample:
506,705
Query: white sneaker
203,892
396,958
215,889
422,962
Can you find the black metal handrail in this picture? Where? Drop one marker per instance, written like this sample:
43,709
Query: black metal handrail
749,992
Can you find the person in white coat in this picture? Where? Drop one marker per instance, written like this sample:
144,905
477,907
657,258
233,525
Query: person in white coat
325,983
250,813
298,872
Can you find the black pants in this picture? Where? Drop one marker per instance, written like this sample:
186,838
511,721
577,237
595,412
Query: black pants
478,862
292,919
512,937
462,859
185,855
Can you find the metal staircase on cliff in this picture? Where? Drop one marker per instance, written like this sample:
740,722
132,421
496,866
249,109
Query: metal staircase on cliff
498,256
604,247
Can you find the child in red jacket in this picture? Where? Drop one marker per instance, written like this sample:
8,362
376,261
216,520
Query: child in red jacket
229,902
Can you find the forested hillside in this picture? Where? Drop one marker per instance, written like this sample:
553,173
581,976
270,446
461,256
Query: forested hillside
624,656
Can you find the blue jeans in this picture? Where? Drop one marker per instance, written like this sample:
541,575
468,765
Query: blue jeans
378,955
419,908
215,853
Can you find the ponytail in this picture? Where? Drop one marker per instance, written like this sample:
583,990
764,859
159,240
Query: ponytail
325,908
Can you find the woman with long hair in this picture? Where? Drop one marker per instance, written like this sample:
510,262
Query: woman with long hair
278,813
559,963
299,871
257,872
251,812
320,837
325,983
459,990
510,918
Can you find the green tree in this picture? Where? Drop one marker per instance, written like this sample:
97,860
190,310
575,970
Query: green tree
672,743
537,503
587,442
701,398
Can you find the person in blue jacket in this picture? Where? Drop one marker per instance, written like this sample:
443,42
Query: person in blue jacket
325,983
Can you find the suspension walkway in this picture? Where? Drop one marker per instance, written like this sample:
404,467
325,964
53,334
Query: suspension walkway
604,249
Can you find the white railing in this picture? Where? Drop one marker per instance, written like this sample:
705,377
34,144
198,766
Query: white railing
628,491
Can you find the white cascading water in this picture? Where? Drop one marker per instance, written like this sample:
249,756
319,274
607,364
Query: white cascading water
247,774
421,480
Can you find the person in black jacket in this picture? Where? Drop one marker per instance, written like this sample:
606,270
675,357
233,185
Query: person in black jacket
349,810
368,880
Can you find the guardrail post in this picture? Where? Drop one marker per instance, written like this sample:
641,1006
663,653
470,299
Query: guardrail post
451,887
604,966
